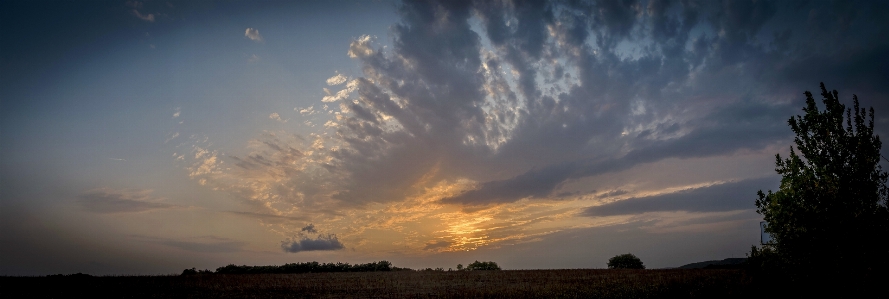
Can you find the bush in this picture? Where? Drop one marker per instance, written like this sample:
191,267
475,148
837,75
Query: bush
625,261
482,266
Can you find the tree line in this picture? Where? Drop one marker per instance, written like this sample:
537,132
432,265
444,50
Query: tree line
316,267
294,268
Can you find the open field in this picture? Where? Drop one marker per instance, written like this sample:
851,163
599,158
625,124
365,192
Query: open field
598,283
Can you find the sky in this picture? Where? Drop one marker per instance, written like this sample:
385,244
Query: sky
147,137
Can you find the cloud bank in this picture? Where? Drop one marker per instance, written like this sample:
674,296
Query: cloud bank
484,107
729,196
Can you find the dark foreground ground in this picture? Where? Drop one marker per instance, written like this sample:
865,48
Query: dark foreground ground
676,283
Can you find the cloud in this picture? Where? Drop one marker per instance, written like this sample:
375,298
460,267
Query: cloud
274,116
309,229
612,193
437,245
174,136
253,58
729,196
477,108
306,111
148,17
336,80
253,35
110,201
177,112
330,242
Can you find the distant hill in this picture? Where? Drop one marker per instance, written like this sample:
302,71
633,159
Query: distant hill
726,263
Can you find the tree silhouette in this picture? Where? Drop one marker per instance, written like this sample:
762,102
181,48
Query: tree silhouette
625,261
474,266
829,213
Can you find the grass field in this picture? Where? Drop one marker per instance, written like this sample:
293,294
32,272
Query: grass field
598,283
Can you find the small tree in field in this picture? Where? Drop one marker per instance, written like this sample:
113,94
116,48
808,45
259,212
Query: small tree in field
830,211
625,261
474,266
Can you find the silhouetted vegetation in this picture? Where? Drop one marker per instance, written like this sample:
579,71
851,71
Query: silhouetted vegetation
75,275
194,271
829,218
625,261
308,267
476,266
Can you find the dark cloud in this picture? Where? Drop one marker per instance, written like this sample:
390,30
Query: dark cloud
703,79
329,242
107,201
309,229
716,198
535,183
520,98
735,127
612,193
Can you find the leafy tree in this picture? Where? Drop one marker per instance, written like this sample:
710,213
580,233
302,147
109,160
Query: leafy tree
830,211
625,261
482,266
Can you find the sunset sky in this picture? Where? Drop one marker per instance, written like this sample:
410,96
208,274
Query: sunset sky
146,137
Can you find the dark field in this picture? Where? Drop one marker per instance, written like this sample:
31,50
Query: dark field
696,283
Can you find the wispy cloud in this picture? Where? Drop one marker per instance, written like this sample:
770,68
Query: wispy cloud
276,117
145,17
173,136
253,35
729,196
306,111
134,4
336,80
437,245
109,201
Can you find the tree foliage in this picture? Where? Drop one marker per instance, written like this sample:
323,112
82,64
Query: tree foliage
482,266
625,261
830,210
